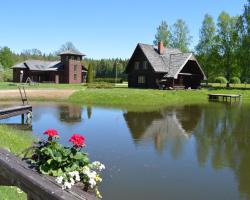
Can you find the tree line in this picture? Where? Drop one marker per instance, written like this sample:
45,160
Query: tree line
223,49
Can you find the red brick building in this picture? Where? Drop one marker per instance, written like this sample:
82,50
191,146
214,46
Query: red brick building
68,70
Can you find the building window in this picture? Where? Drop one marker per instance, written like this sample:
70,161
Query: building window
141,79
72,58
78,58
75,72
145,65
137,65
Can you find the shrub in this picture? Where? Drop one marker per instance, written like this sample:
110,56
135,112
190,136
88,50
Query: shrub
7,75
235,80
100,85
220,79
108,80
90,74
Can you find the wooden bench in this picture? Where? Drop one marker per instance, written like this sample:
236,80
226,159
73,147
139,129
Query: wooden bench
15,172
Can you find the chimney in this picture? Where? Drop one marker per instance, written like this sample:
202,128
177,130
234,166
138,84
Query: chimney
161,47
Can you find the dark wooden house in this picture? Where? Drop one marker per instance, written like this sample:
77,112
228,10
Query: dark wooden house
156,67
68,70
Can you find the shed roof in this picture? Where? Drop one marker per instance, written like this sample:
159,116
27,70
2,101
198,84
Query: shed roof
170,62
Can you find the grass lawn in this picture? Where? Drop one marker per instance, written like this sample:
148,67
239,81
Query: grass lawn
15,141
147,99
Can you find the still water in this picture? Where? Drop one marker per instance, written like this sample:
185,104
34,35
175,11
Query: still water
185,152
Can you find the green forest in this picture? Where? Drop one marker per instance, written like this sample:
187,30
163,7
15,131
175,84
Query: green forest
223,50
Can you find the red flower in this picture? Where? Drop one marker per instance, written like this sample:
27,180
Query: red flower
51,132
77,140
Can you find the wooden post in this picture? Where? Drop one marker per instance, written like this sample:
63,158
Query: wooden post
22,120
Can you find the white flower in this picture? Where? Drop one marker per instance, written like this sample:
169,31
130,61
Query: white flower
59,179
97,165
77,178
92,183
67,185
72,181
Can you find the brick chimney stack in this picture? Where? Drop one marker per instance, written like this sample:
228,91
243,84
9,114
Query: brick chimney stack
161,47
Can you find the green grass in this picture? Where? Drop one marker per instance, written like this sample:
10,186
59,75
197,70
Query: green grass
9,85
145,98
15,141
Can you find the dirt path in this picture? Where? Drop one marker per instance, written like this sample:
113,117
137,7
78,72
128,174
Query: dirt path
37,94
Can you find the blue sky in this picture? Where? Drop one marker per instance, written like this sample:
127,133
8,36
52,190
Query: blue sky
100,28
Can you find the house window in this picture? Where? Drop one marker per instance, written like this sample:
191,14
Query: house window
137,65
78,58
141,79
145,65
75,72
72,58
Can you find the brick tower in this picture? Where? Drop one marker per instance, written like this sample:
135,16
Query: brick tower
73,70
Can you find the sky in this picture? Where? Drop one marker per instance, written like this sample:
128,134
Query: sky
100,28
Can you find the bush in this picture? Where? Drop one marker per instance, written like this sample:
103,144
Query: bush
235,80
220,79
108,80
7,75
100,85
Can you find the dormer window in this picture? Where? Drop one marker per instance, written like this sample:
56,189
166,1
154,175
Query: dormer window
136,66
145,65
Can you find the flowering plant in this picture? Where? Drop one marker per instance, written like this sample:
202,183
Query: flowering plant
69,164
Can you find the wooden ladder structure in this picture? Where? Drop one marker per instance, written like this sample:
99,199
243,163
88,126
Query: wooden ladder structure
23,95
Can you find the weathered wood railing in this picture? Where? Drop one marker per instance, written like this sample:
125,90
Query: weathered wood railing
15,172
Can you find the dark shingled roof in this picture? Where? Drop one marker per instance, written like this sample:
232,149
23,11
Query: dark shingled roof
39,65
170,62
72,52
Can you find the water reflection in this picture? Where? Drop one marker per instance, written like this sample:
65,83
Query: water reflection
175,149
70,113
223,138
169,125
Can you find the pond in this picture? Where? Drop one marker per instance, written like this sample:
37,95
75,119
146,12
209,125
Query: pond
183,152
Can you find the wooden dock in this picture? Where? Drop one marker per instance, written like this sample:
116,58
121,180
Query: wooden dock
224,97
15,111
15,172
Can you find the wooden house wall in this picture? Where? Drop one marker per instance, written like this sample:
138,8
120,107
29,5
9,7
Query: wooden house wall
149,73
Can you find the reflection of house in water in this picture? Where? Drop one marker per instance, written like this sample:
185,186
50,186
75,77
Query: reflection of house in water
70,113
168,124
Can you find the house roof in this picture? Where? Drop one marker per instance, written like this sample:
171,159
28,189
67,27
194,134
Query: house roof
72,52
170,62
39,65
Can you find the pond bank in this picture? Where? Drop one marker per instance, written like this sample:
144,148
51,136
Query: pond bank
146,98
132,99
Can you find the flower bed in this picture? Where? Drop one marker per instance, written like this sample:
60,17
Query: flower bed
70,165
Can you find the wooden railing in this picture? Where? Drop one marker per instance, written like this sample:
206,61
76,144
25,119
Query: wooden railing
15,172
